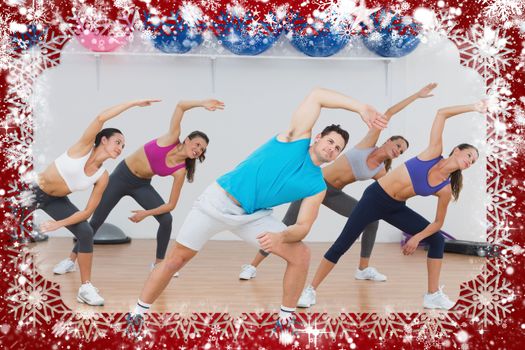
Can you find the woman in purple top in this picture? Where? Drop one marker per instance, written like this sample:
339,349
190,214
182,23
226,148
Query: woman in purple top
428,173
163,156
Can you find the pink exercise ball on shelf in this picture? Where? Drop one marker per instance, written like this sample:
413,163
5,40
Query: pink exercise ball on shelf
101,43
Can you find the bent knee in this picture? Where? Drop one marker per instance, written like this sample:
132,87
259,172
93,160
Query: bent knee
84,234
300,254
165,219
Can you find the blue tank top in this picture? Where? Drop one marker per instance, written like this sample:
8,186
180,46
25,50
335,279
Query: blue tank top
275,173
418,170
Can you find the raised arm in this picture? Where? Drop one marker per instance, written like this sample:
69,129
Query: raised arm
435,145
174,132
372,136
86,141
305,117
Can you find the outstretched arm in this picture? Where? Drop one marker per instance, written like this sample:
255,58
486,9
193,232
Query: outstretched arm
372,136
81,215
86,141
178,181
305,117
174,132
435,145
294,233
444,195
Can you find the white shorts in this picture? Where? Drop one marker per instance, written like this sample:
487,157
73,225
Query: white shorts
214,212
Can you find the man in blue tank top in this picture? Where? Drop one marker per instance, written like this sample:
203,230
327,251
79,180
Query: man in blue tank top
284,169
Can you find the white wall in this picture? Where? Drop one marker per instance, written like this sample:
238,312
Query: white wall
260,96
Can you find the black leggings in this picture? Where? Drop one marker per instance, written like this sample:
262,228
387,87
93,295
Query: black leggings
377,204
342,204
60,208
122,182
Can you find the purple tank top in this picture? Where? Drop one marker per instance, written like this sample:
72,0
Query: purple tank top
157,158
418,170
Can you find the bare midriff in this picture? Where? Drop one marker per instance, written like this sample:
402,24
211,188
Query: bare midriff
51,182
397,184
339,173
138,164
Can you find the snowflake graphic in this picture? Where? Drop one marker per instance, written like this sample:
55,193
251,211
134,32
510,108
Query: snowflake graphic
486,299
500,199
431,327
501,147
342,325
19,152
502,11
519,116
32,299
248,323
500,235
210,5
188,327
483,49
86,324
385,324
314,326
499,97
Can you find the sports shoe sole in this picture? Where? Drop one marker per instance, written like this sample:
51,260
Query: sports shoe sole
63,273
434,307
304,306
246,279
80,300
368,279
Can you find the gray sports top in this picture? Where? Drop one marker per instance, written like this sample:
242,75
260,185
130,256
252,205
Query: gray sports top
357,159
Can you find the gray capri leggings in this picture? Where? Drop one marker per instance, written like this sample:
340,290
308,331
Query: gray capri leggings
60,208
122,182
342,204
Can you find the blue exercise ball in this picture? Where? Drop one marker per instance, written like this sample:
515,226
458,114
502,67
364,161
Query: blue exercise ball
174,35
31,37
392,35
244,36
317,37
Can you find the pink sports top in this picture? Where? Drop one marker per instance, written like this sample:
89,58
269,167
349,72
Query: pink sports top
157,158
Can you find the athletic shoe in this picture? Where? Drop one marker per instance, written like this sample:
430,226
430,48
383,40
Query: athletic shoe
437,300
307,298
88,294
370,273
247,272
152,266
135,323
65,266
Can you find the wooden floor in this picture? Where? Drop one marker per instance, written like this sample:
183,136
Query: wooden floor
209,283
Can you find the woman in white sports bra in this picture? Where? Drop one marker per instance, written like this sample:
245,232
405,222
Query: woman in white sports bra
362,162
77,169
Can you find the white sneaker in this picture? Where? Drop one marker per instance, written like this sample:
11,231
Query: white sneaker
370,273
65,266
247,272
437,300
88,294
307,298
152,266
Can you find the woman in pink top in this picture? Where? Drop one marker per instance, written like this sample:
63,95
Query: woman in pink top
163,156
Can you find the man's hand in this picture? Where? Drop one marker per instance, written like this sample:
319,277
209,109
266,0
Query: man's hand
269,241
